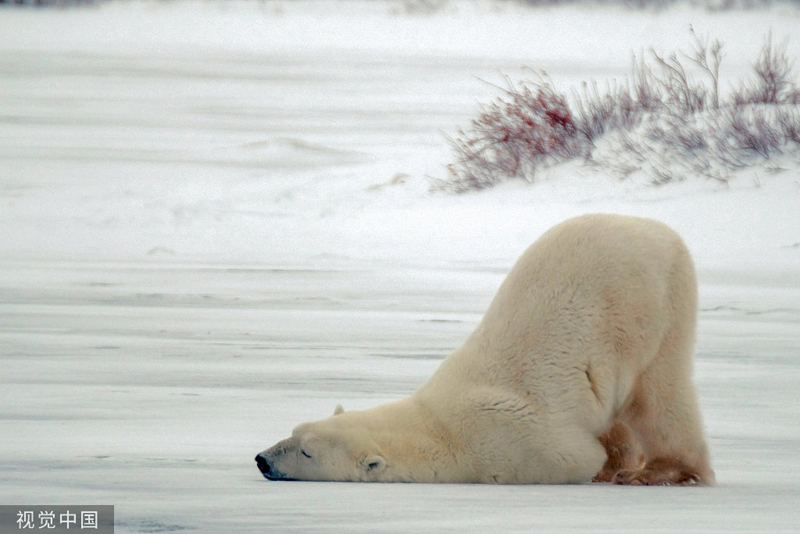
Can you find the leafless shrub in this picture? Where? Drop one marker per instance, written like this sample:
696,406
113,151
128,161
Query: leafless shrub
708,56
512,138
685,136
751,129
774,74
773,83
644,84
618,107
663,176
663,104
681,94
790,123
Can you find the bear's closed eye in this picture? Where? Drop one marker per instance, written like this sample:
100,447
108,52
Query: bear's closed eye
305,454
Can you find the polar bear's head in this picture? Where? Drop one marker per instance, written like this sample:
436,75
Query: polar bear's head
335,449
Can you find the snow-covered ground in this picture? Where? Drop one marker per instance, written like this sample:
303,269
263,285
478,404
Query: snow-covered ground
216,224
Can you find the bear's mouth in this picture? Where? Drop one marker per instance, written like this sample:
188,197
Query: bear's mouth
279,477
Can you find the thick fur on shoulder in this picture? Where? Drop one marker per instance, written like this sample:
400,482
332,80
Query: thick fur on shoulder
579,370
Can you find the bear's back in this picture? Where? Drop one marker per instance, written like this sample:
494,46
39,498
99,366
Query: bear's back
594,292
588,262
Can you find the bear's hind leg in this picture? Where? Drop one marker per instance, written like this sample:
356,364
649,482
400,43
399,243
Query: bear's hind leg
663,413
623,451
663,472
662,409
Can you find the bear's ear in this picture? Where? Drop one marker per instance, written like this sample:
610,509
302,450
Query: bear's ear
339,410
373,464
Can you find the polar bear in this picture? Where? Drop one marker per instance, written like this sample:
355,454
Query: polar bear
580,370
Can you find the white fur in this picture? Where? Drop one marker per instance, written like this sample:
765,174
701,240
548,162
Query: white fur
593,326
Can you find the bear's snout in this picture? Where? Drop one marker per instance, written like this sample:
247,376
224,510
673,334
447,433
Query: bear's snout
263,465
266,464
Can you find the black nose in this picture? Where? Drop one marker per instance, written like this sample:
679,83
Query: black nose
262,464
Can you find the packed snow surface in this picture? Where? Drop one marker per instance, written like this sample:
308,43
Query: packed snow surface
216,224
